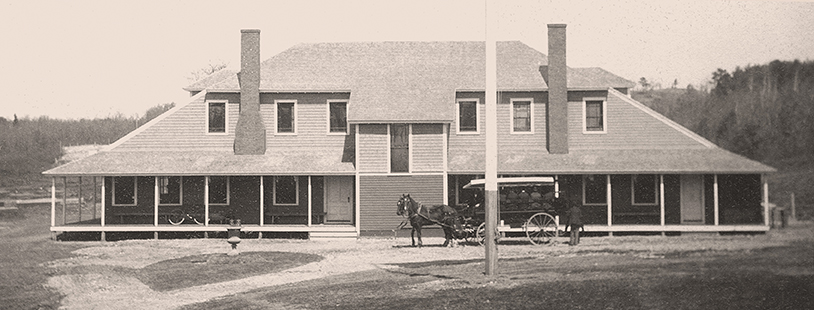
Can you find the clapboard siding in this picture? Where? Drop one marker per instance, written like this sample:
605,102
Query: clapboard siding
427,148
185,129
535,142
373,144
379,194
628,127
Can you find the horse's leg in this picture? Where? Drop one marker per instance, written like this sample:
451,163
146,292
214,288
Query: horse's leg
412,235
447,236
418,232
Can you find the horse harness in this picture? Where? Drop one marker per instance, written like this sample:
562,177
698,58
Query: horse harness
426,217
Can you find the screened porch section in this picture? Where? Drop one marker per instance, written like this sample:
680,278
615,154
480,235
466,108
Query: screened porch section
192,203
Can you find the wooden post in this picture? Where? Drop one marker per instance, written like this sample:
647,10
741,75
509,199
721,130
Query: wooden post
64,197
94,197
765,200
490,188
715,198
793,208
53,201
262,203
155,203
608,194
206,201
661,203
104,202
79,201
309,201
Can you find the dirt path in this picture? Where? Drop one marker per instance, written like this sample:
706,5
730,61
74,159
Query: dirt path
102,288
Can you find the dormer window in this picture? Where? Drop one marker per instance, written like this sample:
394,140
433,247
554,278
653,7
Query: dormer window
594,115
216,118
468,116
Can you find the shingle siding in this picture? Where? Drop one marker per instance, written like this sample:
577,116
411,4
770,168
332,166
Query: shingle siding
628,127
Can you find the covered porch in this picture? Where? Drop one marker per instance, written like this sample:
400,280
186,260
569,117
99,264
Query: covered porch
317,206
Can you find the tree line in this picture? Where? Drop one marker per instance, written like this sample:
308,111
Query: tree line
29,146
764,112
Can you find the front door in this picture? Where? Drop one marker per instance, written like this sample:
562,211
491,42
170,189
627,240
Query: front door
692,199
339,199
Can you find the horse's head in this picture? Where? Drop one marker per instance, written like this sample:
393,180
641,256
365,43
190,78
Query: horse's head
402,204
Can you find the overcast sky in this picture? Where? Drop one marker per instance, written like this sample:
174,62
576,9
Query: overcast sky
86,59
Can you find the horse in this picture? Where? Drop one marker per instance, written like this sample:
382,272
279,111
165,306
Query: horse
421,215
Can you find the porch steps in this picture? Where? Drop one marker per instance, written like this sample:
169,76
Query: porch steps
320,235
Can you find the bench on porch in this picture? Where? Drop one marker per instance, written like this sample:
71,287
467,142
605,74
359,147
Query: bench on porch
280,218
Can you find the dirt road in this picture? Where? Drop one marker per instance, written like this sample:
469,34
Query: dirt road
96,283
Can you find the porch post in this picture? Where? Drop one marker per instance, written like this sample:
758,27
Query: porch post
715,197
53,201
661,198
610,200
765,200
80,198
556,186
104,201
309,201
155,202
64,197
206,201
262,202
94,197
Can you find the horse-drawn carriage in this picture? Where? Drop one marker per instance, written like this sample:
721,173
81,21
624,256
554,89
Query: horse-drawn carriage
526,205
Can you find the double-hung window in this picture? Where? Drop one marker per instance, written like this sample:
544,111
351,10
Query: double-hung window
285,190
125,191
643,189
218,190
595,189
522,120
216,117
169,190
468,115
337,117
594,116
286,116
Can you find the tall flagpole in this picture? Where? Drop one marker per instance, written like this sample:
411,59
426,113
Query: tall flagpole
490,188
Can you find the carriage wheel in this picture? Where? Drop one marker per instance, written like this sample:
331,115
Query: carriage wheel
176,217
540,228
481,233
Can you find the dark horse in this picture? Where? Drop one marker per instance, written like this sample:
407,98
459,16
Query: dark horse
421,215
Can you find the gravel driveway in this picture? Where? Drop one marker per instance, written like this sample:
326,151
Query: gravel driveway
99,287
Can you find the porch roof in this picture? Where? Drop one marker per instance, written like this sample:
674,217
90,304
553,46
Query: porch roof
680,161
156,163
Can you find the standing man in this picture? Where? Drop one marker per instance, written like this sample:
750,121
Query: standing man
575,222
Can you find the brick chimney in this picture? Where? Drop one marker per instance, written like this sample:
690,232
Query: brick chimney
556,77
250,132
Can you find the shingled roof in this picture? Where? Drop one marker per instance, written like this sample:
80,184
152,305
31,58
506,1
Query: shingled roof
420,78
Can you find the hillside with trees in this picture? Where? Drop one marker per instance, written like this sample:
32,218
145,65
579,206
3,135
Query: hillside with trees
29,146
764,112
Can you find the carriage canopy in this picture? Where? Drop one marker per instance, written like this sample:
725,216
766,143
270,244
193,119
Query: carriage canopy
511,182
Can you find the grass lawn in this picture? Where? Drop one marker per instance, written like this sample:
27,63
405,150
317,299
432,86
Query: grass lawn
771,278
212,268
26,244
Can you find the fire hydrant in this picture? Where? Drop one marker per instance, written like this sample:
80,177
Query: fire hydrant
233,236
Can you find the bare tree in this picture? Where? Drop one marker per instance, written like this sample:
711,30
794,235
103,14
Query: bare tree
212,67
